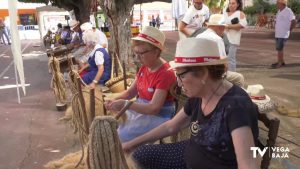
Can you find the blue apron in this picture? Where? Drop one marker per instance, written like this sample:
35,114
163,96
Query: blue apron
93,68
138,124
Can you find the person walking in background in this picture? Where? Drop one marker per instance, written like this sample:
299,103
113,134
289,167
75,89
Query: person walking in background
158,21
285,22
153,21
235,20
3,32
193,19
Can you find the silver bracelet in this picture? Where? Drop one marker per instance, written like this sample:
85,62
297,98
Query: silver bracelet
127,102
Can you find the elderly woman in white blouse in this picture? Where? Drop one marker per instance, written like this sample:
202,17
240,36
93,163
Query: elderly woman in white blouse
235,20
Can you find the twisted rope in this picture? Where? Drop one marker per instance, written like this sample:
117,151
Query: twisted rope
57,82
104,147
78,122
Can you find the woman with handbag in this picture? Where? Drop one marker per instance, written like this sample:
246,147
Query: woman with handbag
235,20
154,104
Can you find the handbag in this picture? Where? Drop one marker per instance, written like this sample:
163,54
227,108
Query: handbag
235,20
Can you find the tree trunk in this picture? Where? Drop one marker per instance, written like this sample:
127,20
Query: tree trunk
118,13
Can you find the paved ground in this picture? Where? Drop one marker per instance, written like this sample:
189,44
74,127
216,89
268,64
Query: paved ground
30,134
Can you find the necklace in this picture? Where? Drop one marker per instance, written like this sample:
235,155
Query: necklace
210,97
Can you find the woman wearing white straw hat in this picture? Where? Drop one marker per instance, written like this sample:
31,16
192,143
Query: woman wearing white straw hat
221,117
153,81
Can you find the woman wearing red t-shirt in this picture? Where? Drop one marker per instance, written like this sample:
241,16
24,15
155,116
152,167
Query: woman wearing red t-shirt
154,105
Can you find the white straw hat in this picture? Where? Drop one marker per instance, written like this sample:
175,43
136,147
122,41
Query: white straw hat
73,24
197,52
86,26
153,36
216,20
258,96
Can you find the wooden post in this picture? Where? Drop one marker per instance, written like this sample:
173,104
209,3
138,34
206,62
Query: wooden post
81,100
125,76
92,106
104,109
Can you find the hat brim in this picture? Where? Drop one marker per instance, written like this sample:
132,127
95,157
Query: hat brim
174,65
214,24
145,40
72,27
265,105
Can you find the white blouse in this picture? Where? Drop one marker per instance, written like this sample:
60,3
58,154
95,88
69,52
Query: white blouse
234,36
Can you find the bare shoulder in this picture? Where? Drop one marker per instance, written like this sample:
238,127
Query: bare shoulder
242,15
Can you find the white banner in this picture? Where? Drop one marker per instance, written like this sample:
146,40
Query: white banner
15,42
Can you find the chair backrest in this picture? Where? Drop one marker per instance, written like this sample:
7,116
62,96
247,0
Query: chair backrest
272,123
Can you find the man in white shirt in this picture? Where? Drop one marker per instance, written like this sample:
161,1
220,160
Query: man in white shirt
285,22
193,19
215,31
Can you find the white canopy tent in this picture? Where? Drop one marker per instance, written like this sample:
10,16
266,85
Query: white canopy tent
16,47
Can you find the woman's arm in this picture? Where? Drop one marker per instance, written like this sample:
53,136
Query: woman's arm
119,101
151,108
242,140
242,23
98,76
166,129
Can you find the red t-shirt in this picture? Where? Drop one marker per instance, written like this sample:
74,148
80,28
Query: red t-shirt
147,81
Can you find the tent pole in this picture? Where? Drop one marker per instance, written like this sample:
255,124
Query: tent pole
17,83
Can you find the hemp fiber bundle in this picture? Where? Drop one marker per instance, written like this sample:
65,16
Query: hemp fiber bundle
104,147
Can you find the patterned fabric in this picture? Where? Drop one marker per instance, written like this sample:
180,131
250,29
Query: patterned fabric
161,156
211,144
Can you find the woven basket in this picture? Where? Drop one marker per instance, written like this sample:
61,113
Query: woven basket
116,84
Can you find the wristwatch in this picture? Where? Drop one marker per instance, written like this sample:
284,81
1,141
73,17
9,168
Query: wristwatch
95,81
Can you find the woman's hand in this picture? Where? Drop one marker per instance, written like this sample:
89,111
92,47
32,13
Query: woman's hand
127,147
92,85
115,105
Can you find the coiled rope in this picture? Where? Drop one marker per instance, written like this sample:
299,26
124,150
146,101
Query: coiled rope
57,82
104,147
79,114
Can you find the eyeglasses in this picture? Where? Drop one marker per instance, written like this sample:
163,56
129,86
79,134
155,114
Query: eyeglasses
180,76
142,54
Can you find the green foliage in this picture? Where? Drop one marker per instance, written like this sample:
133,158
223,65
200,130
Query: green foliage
265,7
250,10
260,6
295,6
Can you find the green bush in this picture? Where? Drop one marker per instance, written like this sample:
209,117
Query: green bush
295,6
250,10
